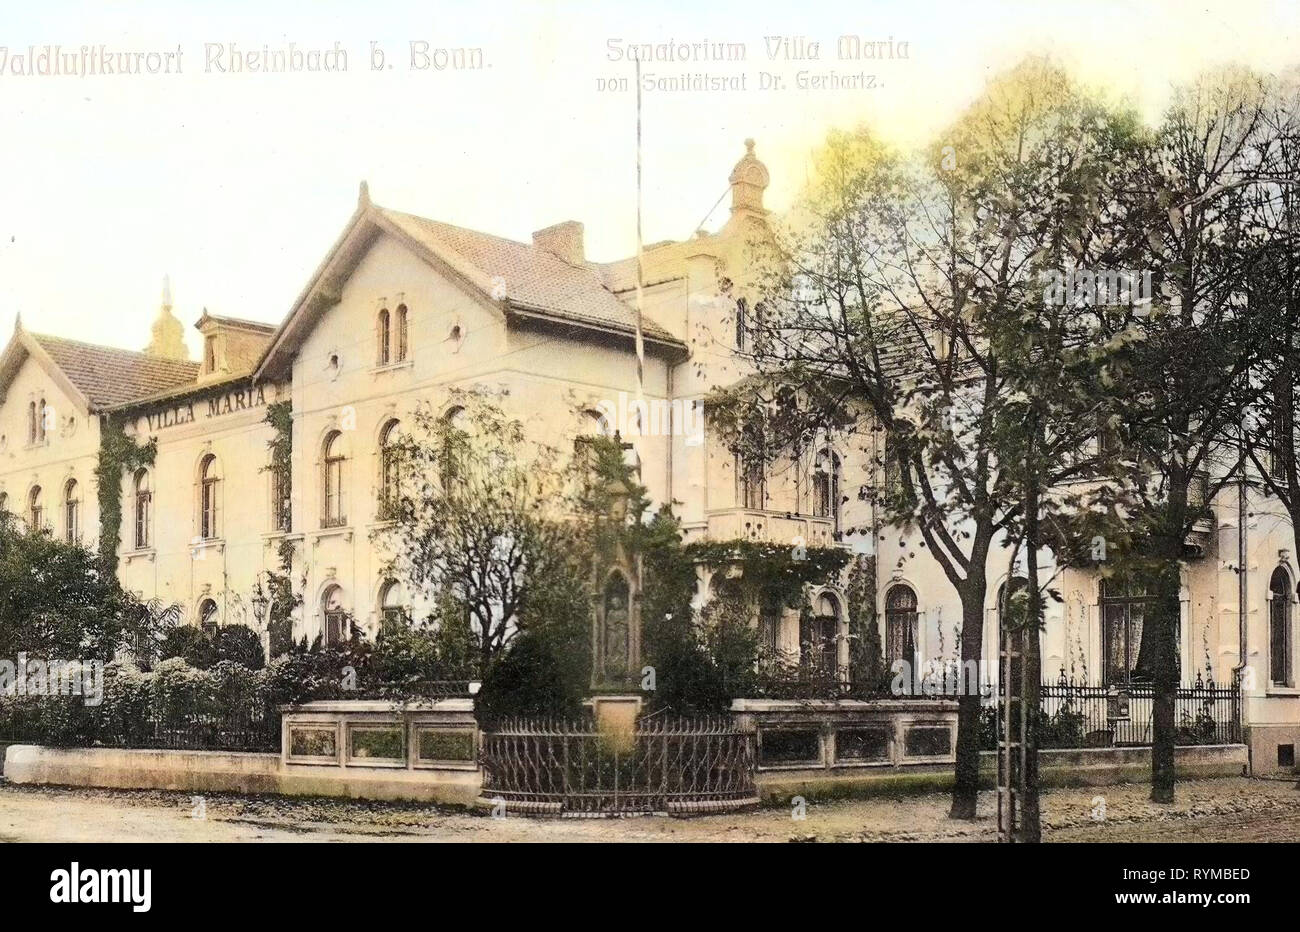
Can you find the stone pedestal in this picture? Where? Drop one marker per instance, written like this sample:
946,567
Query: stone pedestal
616,717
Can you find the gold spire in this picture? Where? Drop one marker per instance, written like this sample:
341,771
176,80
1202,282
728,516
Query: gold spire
168,335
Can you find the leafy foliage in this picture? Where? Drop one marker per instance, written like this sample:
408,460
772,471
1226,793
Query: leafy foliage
58,600
485,522
118,455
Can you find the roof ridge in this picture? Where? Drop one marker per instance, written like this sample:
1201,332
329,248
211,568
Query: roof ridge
452,226
111,349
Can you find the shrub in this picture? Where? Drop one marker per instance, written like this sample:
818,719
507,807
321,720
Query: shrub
702,662
188,643
531,679
239,644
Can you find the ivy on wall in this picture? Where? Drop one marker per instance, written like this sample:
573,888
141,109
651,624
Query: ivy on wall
770,569
118,454
279,590
866,656
279,415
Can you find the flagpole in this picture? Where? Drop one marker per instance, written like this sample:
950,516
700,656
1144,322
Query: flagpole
640,272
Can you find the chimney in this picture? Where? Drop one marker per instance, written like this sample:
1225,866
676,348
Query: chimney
564,240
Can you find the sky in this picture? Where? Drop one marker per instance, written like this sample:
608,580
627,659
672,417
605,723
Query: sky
236,183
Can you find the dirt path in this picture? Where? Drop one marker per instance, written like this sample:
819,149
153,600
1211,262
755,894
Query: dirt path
1210,810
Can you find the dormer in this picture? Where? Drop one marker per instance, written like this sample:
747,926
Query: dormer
231,346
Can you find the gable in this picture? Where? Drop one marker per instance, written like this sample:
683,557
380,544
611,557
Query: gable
387,276
31,381
502,275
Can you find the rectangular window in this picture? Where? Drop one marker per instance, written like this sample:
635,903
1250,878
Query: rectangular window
1127,646
752,491
335,625
143,505
210,354
280,505
1279,641
208,528
333,501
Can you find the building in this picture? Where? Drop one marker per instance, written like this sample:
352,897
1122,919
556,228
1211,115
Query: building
405,308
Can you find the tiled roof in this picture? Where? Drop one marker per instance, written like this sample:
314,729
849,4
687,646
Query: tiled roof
534,278
108,376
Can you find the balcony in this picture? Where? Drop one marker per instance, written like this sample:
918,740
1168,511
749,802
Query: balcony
772,527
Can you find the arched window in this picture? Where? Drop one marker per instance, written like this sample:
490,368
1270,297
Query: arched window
819,637
596,424
400,353
209,498
392,609
1281,637
826,487
333,513
616,630
383,328
31,422
208,619
35,511
42,414
143,508
388,471
71,512
336,625
742,323
4,502
1126,647
901,620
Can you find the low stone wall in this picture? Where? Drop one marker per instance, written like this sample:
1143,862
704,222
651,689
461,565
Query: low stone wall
423,752
1057,768
850,735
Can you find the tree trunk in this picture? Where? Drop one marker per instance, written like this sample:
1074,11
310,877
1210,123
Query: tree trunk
1164,675
1031,676
965,791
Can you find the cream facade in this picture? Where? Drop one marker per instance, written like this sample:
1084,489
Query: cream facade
404,309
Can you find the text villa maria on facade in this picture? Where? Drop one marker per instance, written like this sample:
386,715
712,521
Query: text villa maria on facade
238,400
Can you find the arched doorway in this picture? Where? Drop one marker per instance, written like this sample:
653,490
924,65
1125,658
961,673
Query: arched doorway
819,638
901,621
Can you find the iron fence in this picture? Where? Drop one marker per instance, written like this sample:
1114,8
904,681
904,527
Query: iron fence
663,764
1077,715
253,731
940,681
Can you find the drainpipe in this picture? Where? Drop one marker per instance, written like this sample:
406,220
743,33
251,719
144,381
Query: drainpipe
672,429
